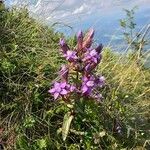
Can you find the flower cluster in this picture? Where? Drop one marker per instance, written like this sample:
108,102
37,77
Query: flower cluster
82,60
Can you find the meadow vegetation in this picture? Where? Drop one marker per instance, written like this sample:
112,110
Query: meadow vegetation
30,119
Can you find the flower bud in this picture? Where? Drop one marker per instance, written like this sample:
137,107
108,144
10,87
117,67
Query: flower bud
88,39
79,40
99,48
63,45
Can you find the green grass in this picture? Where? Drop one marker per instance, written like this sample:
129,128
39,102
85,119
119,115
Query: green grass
31,120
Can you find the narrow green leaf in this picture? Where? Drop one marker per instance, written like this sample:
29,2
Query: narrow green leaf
66,125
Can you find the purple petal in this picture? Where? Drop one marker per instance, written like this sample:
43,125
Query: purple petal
100,81
90,83
84,79
62,42
72,88
63,84
87,57
56,95
87,68
69,53
95,60
51,90
102,78
84,89
93,52
63,45
58,89
88,92
63,92
56,85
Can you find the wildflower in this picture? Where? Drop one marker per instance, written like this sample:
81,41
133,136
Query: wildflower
71,56
83,59
87,85
59,89
92,56
64,46
100,81
89,67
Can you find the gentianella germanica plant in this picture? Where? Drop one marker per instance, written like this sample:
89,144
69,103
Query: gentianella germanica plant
78,80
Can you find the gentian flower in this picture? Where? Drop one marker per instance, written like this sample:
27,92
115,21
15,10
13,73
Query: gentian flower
92,56
71,56
100,81
87,85
59,89
63,45
83,59
89,67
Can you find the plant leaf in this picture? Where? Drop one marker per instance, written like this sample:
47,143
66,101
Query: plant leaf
66,125
42,143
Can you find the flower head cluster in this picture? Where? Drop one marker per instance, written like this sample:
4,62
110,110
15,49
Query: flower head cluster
83,60
61,89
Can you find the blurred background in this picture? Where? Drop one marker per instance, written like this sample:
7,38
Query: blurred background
69,16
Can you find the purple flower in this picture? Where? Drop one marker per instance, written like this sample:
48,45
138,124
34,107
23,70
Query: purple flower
61,89
71,56
90,83
63,45
83,59
92,56
100,81
88,68
62,42
87,85
64,72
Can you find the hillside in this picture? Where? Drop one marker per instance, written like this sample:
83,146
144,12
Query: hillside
30,117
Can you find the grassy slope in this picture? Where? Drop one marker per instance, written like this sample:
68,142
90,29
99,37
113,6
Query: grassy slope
29,62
